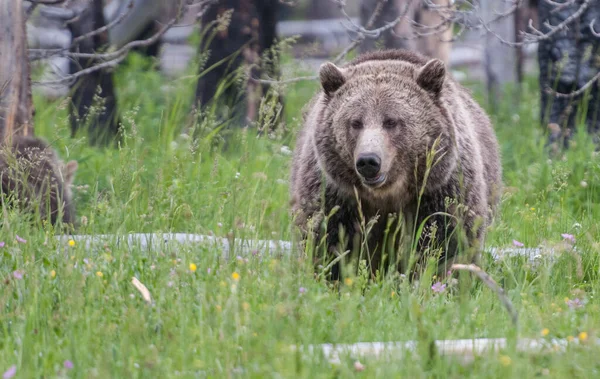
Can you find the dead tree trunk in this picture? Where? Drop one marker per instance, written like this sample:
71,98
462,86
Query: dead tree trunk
94,103
16,105
237,45
568,60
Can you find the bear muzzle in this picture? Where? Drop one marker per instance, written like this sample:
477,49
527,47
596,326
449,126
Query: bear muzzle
368,167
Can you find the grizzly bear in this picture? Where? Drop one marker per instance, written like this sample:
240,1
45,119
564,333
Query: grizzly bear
392,134
34,179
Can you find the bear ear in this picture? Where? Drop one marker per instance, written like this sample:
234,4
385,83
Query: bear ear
331,77
431,76
69,172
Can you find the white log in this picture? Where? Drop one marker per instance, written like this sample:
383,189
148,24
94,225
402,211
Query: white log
465,349
154,241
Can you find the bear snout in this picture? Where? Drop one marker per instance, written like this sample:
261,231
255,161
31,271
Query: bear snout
368,165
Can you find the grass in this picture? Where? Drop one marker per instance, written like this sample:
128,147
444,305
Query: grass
214,318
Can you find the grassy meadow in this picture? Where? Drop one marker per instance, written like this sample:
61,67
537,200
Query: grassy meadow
75,313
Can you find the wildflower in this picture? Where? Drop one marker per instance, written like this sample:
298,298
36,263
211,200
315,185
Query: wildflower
575,303
348,282
545,332
246,306
235,276
505,360
218,307
170,284
570,338
285,150
568,237
302,290
52,274
18,274
10,372
532,209
254,253
583,336
68,364
99,274
518,244
583,183
19,239
208,270
220,225
438,287
2,244
193,267
239,258
359,366
393,293
71,243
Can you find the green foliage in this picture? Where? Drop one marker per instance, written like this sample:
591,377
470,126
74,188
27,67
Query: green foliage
239,317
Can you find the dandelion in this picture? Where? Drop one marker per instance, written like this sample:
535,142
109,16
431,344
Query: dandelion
505,360
19,239
235,276
545,332
99,274
68,364
302,290
518,244
568,237
583,336
17,274
52,274
532,209
438,287
71,243
348,282
193,267
10,372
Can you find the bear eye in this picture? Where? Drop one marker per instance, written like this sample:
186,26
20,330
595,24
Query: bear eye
390,124
356,124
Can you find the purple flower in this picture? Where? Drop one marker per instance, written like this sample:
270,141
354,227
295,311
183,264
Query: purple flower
239,258
438,287
568,237
302,290
254,252
68,364
17,274
575,303
2,244
86,261
208,270
517,243
19,239
10,372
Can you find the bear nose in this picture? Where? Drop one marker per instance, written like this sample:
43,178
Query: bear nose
368,165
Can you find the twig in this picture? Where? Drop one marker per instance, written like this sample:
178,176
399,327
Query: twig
487,280
573,94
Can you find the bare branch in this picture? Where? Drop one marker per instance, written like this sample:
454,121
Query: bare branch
580,91
488,281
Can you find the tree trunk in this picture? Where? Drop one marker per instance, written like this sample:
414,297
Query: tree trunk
94,103
16,105
241,43
567,61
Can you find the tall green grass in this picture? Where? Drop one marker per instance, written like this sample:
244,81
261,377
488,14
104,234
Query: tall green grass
214,318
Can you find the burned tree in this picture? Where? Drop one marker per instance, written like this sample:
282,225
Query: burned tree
94,102
237,34
569,60
16,106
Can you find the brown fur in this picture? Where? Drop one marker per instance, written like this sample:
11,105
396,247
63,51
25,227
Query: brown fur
396,103
33,176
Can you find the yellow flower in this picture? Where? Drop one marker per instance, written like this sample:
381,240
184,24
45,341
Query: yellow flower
193,267
532,209
505,360
583,336
235,276
71,243
393,293
348,282
218,308
99,274
246,306
570,338
52,274
545,332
